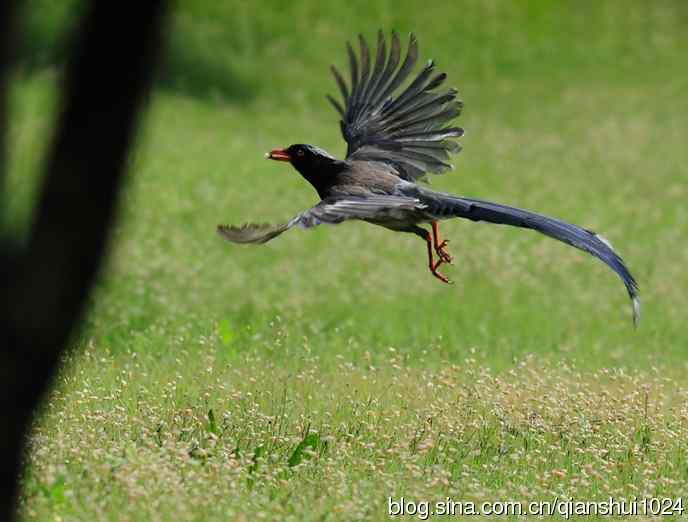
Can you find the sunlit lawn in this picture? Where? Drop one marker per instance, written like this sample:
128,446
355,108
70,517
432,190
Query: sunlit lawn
316,376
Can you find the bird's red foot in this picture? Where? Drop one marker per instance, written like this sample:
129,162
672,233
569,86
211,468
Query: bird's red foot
433,268
442,252
440,247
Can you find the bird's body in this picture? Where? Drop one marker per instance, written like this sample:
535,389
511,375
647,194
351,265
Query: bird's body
393,141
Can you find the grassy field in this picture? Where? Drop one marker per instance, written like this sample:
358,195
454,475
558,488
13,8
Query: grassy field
313,378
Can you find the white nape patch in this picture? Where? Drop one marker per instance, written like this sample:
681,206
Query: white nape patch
604,240
636,311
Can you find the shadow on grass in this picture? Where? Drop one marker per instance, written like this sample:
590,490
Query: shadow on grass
191,65
195,72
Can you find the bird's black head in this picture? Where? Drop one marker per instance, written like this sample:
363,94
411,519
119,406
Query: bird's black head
313,163
302,157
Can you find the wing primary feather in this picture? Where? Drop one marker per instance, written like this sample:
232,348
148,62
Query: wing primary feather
357,94
338,107
425,158
436,82
437,135
448,147
392,63
365,60
436,117
420,106
380,57
353,66
251,232
341,84
414,88
405,69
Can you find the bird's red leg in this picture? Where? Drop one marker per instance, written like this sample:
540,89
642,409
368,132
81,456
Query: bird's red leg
440,247
431,262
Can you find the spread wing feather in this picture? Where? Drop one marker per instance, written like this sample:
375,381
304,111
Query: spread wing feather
330,211
409,130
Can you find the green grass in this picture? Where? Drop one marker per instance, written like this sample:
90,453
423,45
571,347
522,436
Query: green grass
337,370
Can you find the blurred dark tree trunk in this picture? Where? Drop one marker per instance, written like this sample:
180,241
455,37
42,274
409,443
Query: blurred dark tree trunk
7,15
45,283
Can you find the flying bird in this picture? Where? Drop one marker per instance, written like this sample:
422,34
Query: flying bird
398,131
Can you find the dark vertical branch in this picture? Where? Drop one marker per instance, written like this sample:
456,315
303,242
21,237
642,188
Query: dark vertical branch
7,14
109,74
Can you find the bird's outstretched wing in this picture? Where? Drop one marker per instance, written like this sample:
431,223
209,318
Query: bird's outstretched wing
407,129
330,211
251,232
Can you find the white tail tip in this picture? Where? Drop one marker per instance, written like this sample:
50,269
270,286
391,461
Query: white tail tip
636,311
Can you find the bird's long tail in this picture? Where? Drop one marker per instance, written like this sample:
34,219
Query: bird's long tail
476,210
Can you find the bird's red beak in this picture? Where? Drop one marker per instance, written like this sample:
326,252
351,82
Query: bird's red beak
278,155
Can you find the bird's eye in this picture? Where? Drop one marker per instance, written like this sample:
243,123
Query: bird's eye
300,152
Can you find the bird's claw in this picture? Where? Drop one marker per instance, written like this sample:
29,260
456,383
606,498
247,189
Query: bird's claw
441,252
438,275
